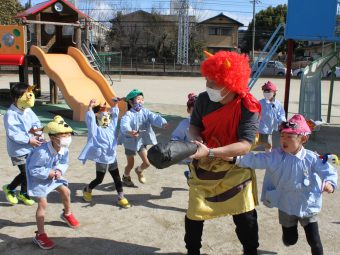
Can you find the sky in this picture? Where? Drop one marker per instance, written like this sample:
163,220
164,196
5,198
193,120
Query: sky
240,10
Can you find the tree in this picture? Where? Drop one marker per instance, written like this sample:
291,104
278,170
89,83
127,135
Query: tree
266,22
8,9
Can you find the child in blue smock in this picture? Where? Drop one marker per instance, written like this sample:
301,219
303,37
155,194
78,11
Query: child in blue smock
136,133
271,116
294,181
21,123
45,170
101,148
181,132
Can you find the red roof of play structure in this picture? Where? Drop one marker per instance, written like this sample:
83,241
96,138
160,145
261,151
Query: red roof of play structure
39,7
12,60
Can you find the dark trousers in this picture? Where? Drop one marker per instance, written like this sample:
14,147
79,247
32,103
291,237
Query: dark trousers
20,179
290,237
115,176
246,230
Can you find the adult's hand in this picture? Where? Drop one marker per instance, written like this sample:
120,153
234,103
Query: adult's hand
202,151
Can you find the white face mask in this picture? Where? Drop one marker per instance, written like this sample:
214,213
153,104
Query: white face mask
65,142
215,94
268,95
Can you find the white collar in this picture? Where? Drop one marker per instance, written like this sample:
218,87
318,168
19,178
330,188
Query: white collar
53,151
301,153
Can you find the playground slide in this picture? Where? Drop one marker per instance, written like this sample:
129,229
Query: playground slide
76,79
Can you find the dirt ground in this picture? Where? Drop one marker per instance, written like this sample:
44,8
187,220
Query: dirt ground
155,222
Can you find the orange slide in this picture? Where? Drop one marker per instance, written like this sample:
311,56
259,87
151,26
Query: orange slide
76,79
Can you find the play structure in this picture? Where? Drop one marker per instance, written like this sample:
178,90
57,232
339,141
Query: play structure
321,24
51,38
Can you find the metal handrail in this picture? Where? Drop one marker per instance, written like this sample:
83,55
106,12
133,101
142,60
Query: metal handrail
268,57
96,60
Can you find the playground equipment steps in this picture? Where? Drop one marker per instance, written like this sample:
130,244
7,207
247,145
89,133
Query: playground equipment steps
95,61
274,42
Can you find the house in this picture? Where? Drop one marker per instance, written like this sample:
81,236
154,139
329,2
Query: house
140,34
219,33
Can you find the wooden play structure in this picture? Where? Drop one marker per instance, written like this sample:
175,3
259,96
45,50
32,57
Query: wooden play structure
51,38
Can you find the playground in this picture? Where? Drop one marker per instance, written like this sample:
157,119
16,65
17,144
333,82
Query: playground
155,222
50,39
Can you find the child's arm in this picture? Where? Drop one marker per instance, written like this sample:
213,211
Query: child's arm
125,126
281,115
14,130
91,119
255,160
37,166
114,112
63,163
156,119
328,174
180,132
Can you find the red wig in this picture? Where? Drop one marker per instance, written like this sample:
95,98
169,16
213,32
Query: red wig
228,69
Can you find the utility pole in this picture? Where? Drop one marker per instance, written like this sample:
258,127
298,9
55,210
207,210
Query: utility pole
254,21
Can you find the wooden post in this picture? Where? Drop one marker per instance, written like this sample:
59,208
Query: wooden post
37,80
38,30
78,38
53,92
288,74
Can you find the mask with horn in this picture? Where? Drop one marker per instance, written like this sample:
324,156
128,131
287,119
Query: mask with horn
27,100
103,116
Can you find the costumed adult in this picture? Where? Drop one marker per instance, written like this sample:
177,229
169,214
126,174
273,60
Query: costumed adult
224,123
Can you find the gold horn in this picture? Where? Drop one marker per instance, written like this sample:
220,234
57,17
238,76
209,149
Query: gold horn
227,64
207,54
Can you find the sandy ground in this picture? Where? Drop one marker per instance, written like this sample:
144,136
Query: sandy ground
155,222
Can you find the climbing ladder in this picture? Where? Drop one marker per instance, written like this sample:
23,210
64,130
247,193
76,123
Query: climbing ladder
274,42
95,61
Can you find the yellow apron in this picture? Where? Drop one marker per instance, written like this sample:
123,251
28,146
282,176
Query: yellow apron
218,188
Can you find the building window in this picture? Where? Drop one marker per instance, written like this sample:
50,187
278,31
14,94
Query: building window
224,31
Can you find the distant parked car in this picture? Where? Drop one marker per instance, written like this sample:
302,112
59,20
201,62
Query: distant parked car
298,72
336,73
272,68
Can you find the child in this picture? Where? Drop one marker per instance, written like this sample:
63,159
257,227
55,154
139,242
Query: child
20,125
182,130
101,148
272,115
46,166
294,181
137,133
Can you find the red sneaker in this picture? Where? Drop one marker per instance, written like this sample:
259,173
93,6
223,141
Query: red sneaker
70,220
43,241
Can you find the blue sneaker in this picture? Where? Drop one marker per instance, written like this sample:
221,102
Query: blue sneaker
187,174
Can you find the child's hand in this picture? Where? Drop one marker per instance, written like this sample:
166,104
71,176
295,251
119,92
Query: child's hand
58,174
133,133
328,187
51,175
165,126
92,103
34,142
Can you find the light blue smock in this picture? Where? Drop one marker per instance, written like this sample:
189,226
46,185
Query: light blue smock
272,115
139,121
17,124
284,184
39,163
181,132
101,142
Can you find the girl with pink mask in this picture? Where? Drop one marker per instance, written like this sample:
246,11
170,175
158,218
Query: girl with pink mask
272,115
